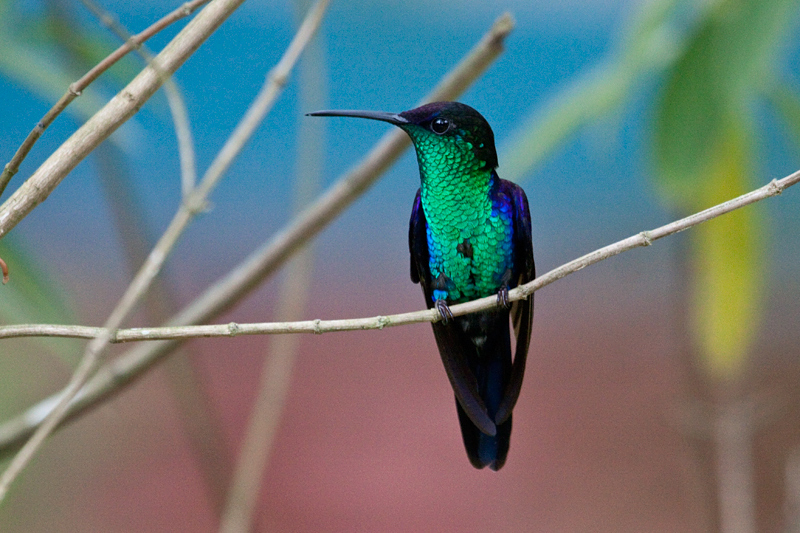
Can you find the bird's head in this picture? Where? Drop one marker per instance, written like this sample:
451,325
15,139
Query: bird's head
441,132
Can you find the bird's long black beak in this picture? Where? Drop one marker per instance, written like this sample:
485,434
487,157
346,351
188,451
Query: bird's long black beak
391,118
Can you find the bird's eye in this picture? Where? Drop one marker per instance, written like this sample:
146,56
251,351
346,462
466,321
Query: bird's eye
440,126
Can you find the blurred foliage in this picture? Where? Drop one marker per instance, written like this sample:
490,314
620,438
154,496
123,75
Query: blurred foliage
730,58
83,46
45,51
702,143
648,46
34,295
715,59
33,53
728,260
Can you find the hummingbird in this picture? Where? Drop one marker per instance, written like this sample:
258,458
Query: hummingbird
469,237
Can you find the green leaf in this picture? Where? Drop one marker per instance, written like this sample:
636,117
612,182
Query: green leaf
33,295
688,120
648,46
728,263
729,60
787,103
753,33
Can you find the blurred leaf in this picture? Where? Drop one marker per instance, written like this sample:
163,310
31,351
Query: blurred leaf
754,32
702,152
787,103
32,54
729,60
688,120
34,296
728,260
84,46
649,45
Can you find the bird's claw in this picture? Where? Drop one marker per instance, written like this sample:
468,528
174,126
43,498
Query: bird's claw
502,298
444,311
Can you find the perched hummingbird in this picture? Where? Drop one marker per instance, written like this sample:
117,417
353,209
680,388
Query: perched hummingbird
469,237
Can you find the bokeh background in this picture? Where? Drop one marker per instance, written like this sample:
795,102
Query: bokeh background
615,116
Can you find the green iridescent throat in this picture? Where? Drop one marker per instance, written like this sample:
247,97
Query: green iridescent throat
463,232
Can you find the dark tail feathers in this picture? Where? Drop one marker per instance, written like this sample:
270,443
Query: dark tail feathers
482,449
490,362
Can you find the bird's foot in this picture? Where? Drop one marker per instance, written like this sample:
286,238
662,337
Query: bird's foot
444,311
502,298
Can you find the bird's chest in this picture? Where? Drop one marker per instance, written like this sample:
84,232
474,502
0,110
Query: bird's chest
469,246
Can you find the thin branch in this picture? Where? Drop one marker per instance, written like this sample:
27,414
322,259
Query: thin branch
264,420
198,417
112,377
241,505
202,426
77,88
232,147
276,79
733,436
122,107
208,20
645,238
177,106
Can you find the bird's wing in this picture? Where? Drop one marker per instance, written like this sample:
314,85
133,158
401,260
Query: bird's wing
418,246
522,311
452,343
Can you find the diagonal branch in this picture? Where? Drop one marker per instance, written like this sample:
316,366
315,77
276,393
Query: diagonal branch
76,88
210,18
240,281
116,112
198,419
177,106
240,513
645,238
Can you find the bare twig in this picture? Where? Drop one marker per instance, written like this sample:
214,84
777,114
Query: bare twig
266,414
240,514
197,30
200,426
122,107
76,88
233,329
244,278
198,417
177,106
733,435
